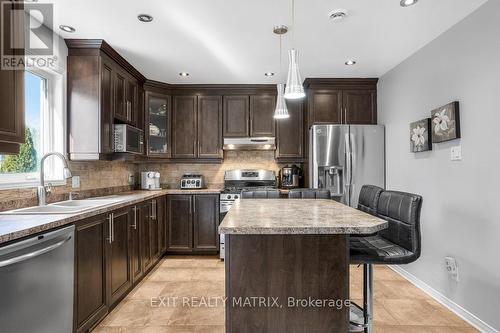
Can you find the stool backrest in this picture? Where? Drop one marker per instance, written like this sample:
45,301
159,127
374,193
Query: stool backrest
260,194
368,198
305,193
402,211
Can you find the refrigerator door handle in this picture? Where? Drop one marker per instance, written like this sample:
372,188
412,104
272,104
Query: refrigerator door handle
348,167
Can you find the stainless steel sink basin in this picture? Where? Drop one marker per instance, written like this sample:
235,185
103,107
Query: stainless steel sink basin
64,207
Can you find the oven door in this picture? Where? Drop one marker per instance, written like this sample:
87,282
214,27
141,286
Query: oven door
134,140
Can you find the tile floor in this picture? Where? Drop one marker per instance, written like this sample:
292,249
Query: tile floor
399,306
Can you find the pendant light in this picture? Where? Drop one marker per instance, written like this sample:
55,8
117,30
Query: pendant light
281,111
294,88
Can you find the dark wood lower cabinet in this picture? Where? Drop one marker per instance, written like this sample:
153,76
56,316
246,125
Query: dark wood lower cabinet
119,255
205,218
113,252
135,245
90,272
192,223
179,223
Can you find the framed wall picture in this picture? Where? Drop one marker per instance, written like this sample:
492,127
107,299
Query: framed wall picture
420,136
446,123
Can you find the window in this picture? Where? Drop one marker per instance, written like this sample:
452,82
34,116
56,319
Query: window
44,119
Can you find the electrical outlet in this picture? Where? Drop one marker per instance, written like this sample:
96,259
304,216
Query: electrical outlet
452,268
75,182
456,153
131,179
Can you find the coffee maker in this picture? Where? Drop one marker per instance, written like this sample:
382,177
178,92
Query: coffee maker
290,177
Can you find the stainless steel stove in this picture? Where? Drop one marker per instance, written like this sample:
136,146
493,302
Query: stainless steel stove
237,181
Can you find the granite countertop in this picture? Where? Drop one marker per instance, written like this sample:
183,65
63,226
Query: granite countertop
297,216
13,227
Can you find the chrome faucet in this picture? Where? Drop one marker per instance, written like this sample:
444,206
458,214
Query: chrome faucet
44,190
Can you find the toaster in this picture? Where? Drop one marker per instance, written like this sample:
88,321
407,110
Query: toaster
192,182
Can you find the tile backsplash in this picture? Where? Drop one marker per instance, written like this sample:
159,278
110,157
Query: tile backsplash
108,177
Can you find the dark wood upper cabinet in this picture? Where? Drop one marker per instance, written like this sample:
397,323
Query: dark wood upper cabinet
90,272
341,101
360,106
325,107
179,222
205,222
120,110
236,115
101,84
158,128
290,133
12,126
119,277
184,127
262,115
209,127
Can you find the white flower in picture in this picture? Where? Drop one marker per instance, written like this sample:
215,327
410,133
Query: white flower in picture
441,121
418,136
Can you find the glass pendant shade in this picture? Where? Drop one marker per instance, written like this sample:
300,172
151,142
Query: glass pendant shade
294,88
281,111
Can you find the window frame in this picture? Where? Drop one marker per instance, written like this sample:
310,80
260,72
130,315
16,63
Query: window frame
54,106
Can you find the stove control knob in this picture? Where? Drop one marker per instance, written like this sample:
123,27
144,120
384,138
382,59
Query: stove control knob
229,196
236,196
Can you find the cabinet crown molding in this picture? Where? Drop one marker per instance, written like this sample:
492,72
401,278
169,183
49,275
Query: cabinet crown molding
103,46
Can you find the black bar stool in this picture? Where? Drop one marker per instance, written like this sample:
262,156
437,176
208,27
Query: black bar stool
399,244
260,194
306,193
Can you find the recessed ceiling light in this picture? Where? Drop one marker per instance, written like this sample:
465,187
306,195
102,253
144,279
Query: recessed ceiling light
67,28
338,15
184,74
350,62
408,3
145,18
269,74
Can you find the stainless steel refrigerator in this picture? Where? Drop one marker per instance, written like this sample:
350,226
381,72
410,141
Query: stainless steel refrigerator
343,158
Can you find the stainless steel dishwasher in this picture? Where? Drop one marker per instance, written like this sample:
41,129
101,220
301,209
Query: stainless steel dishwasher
36,284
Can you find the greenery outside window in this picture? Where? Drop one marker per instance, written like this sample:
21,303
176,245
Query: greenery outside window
45,132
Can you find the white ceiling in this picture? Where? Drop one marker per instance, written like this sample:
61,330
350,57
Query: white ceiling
231,41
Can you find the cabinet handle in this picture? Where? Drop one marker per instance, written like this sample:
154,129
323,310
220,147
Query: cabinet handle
135,218
110,226
153,209
345,114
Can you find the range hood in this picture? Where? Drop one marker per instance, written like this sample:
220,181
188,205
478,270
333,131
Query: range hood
261,143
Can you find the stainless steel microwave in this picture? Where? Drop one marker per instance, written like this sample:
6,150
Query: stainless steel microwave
128,139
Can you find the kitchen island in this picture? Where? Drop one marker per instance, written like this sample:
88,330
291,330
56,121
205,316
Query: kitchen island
287,264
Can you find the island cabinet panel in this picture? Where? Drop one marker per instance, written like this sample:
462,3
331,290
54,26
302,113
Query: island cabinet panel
179,208
290,133
12,126
90,272
262,121
192,223
210,127
360,106
119,275
288,266
206,215
236,114
136,243
184,126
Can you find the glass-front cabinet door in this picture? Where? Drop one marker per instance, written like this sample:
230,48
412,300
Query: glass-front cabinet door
158,125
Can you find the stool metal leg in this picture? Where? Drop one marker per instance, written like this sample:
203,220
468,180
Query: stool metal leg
368,297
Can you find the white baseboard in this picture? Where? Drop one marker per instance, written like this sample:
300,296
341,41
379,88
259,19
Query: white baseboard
452,306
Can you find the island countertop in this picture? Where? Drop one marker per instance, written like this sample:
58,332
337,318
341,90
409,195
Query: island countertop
297,216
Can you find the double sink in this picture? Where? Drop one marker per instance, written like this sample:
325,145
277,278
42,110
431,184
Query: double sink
67,207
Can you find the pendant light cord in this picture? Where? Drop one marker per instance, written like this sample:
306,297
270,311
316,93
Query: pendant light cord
281,56
293,23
